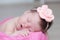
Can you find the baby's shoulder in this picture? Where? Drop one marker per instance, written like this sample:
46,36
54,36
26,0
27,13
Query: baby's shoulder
9,21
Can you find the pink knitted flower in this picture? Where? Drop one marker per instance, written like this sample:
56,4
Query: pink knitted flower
45,13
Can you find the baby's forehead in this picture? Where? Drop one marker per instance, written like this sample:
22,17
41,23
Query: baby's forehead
30,15
26,15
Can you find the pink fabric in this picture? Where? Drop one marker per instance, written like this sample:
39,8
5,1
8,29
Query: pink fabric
31,36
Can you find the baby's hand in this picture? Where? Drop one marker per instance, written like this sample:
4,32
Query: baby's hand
23,32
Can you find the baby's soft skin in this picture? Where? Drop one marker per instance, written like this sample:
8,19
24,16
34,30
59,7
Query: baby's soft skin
8,27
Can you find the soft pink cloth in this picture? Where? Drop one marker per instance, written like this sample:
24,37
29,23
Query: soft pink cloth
31,36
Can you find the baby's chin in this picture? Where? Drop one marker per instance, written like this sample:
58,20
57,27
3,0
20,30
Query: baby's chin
29,30
24,30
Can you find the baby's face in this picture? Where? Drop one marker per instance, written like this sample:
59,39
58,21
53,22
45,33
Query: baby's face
29,21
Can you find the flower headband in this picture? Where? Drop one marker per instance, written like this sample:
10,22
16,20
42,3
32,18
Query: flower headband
45,13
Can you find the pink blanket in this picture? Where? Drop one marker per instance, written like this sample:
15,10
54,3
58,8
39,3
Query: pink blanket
31,36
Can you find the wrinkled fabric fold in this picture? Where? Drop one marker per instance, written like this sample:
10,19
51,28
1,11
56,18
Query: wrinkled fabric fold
31,36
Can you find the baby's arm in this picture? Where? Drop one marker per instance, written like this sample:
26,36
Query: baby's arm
9,26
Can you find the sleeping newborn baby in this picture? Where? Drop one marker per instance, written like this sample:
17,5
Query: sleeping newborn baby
35,20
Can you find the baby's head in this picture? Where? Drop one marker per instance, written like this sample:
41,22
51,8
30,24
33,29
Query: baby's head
36,19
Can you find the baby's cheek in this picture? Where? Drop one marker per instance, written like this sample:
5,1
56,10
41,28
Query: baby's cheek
36,28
